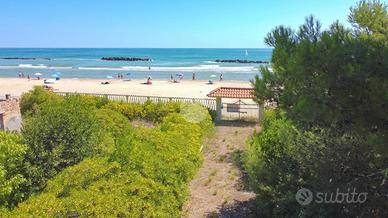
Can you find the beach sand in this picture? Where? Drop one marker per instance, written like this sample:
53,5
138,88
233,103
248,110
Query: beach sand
186,88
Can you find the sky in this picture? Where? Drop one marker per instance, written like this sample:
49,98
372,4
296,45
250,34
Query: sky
156,23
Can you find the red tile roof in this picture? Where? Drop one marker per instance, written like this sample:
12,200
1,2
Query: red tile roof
231,92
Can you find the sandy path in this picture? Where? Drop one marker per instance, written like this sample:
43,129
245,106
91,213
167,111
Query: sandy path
217,187
186,88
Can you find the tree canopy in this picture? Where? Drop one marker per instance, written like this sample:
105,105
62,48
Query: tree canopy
331,88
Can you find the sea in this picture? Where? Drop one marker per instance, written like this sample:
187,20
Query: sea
165,62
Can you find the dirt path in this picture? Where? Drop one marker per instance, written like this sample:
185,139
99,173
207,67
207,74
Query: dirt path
217,189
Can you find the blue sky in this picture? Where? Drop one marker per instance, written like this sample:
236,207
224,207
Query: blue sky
156,23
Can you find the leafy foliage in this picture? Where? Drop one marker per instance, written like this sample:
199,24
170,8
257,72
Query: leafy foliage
12,154
59,135
83,158
331,128
146,176
150,111
31,101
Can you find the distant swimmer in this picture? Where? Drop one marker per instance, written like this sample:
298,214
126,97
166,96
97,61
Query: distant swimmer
194,76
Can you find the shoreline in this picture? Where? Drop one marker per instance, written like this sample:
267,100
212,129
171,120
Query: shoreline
164,88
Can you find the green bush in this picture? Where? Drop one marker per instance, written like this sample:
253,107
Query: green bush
146,176
271,161
84,159
150,111
12,180
30,101
112,122
59,135
282,159
156,111
130,110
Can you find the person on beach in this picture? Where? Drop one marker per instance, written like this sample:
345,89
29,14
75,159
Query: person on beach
28,77
20,74
221,77
171,78
193,76
149,82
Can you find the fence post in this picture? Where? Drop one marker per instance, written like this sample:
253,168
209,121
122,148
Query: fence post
218,108
261,112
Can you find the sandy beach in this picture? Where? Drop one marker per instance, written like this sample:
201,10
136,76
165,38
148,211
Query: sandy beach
186,88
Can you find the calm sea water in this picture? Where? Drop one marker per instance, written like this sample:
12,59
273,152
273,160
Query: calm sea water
87,63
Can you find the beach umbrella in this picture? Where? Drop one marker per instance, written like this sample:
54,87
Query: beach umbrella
38,74
213,76
109,77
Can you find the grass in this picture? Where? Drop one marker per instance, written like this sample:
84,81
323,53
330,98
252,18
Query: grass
225,201
221,158
213,173
210,177
229,147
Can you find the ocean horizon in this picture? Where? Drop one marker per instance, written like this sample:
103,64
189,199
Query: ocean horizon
87,63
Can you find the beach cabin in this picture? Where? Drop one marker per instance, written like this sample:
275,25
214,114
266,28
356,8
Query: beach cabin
236,103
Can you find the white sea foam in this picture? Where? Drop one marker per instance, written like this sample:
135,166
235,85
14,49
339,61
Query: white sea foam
211,68
199,68
60,68
210,62
39,66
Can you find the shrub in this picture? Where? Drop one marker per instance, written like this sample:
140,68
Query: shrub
59,135
151,111
91,162
112,122
12,154
156,111
130,110
146,176
271,161
31,101
282,159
